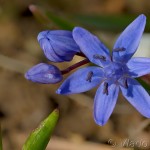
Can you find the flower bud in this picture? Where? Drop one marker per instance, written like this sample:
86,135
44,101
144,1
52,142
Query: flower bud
58,45
44,73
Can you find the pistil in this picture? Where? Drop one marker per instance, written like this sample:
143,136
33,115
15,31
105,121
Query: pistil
126,83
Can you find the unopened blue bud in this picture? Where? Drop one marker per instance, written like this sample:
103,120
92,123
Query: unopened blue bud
58,45
44,73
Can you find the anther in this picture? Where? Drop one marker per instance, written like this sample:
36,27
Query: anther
96,56
105,90
119,49
126,83
89,76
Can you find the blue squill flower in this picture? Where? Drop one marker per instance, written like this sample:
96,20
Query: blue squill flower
114,71
58,45
44,73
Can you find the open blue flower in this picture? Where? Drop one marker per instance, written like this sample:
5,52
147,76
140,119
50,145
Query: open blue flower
115,71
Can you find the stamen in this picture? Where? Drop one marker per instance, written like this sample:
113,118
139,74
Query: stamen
89,76
119,49
105,91
126,83
96,56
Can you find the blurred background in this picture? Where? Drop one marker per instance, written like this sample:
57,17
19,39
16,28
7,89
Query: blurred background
24,104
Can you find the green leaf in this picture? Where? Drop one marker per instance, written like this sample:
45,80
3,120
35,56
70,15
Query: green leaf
114,23
40,137
51,19
1,147
60,21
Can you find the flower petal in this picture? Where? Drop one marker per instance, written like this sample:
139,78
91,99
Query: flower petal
139,66
44,73
58,45
63,39
49,51
137,96
90,46
82,80
129,39
104,104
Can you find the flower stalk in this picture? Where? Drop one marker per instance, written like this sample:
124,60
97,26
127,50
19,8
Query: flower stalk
81,63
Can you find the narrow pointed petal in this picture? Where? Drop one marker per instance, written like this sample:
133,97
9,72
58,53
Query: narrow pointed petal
104,104
81,81
129,39
58,45
90,46
44,73
137,96
139,66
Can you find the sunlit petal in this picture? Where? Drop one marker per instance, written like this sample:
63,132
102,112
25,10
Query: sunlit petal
104,104
91,46
81,81
137,96
129,39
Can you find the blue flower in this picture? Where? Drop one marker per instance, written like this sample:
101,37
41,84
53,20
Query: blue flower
44,73
114,71
58,45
